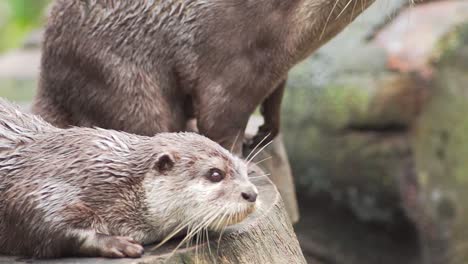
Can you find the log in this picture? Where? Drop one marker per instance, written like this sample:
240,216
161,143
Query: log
266,236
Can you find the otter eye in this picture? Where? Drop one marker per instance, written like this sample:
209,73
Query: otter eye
215,175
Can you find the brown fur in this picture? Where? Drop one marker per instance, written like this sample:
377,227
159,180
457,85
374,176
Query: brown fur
149,66
75,191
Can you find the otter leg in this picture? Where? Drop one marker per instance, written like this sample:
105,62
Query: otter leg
225,125
100,245
271,111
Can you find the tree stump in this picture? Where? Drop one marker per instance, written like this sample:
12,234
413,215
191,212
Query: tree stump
266,236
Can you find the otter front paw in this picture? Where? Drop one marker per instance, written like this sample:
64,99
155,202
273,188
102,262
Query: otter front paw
112,247
121,247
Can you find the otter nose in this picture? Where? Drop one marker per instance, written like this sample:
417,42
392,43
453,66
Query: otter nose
249,196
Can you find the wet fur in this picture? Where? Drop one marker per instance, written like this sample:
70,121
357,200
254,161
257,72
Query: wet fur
70,192
148,66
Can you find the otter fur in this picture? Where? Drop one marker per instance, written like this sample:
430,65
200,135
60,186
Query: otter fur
149,66
96,192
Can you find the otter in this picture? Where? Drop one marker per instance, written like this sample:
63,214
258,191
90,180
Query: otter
150,66
102,193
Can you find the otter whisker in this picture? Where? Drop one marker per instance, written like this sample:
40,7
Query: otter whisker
352,11
259,144
178,229
260,176
199,234
222,232
208,243
189,243
221,219
199,241
235,141
171,235
219,240
328,19
259,151
191,238
344,9
196,246
193,230
202,240
203,223
207,233
265,159
224,229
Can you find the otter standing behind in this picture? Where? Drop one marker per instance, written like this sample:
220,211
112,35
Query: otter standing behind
148,66
95,192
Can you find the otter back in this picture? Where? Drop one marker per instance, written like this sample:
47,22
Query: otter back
17,128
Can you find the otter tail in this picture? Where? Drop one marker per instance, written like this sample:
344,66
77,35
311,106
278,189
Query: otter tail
18,128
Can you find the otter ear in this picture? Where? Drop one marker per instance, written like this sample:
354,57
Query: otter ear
164,162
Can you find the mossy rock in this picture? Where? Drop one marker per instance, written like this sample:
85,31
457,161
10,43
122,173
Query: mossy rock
349,137
351,131
441,150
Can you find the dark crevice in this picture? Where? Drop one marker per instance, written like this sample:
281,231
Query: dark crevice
329,233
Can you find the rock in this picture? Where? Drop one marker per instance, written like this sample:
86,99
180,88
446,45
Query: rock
384,132
440,142
351,118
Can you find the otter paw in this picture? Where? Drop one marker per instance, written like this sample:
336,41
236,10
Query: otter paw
120,247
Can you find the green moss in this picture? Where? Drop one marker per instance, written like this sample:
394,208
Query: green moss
453,47
338,105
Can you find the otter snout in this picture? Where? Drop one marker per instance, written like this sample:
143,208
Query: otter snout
250,194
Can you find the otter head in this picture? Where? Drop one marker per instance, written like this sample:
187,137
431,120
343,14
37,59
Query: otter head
196,184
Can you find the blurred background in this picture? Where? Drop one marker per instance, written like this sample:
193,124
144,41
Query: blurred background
375,125
20,26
